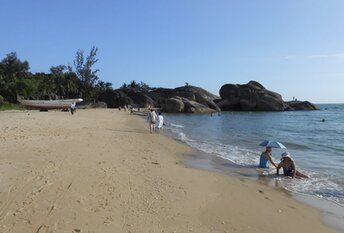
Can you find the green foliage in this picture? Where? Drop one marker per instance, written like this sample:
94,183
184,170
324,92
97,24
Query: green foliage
124,86
62,81
84,71
99,88
12,72
134,85
16,80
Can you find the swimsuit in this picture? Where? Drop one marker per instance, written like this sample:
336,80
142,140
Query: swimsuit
264,162
288,171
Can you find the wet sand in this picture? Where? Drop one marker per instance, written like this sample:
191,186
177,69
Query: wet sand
102,171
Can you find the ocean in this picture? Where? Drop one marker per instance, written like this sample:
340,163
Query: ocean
314,139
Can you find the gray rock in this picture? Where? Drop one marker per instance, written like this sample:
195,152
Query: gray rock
203,101
300,105
141,99
173,105
114,98
249,97
195,107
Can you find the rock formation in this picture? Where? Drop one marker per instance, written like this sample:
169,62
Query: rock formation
249,97
190,99
254,97
299,105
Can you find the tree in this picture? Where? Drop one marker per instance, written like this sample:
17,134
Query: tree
58,79
144,86
84,70
133,84
100,88
124,86
46,86
72,84
12,70
58,70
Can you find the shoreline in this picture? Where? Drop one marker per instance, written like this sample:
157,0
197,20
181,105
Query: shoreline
332,212
101,171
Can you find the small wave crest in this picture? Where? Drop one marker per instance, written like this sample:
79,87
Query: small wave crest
319,186
235,154
176,125
295,146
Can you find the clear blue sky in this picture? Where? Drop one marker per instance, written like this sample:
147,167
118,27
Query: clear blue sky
293,47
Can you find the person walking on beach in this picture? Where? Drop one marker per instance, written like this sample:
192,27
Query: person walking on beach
72,107
265,158
152,118
289,167
160,122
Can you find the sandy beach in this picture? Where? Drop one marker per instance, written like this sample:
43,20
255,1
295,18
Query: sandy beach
102,171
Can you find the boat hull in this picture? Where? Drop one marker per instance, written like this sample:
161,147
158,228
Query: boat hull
49,104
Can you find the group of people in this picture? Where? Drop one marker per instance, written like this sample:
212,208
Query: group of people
287,163
156,121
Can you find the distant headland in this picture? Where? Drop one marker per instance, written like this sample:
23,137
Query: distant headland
81,81
190,99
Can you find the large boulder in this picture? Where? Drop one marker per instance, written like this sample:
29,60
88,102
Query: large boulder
159,95
203,101
173,105
299,105
141,99
183,105
191,106
114,98
249,97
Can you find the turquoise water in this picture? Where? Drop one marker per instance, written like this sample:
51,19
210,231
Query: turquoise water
317,146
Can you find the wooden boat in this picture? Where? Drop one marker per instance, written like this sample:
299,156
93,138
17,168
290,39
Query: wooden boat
63,104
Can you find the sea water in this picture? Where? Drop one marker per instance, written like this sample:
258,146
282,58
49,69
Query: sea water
315,140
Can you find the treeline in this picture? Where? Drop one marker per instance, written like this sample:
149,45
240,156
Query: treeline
63,81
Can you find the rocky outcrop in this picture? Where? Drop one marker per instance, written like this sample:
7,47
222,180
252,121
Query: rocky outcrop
159,95
254,97
191,106
174,105
141,99
114,98
299,105
249,97
190,99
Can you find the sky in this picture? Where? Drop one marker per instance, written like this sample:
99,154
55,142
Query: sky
292,47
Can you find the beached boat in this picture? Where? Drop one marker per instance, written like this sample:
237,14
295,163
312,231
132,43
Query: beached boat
49,104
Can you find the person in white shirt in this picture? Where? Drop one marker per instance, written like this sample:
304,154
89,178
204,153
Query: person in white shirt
72,107
160,122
